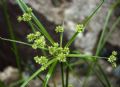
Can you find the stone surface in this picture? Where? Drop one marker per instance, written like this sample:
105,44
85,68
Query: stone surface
115,37
9,75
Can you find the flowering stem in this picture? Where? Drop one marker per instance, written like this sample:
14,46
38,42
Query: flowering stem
99,47
49,74
20,42
36,73
67,73
62,74
61,64
71,40
86,21
112,29
10,29
61,39
84,56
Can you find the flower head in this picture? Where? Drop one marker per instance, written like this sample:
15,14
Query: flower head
37,39
59,29
112,59
58,52
39,43
80,28
66,50
41,60
37,34
61,57
26,17
31,37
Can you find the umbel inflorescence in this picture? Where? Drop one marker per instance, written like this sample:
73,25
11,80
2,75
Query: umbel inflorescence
55,51
112,59
26,16
38,41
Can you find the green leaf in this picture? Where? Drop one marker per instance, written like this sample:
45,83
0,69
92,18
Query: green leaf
49,74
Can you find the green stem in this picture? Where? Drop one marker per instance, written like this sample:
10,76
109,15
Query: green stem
61,64
15,84
61,39
86,21
15,41
20,42
12,36
36,73
104,75
100,78
103,32
30,68
71,40
62,74
49,74
111,30
67,74
99,46
105,27
84,56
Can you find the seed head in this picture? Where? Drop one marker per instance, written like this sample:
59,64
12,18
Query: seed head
41,60
112,59
59,29
80,28
61,57
26,17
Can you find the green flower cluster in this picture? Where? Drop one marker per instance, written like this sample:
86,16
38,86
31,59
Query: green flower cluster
43,61
37,39
112,59
26,16
59,29
80,28
59,52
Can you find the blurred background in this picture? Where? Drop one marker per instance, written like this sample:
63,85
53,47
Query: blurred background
52,13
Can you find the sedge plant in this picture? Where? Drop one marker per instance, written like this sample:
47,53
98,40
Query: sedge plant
57,53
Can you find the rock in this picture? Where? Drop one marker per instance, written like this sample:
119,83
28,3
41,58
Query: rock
9,75
35,83
114,39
